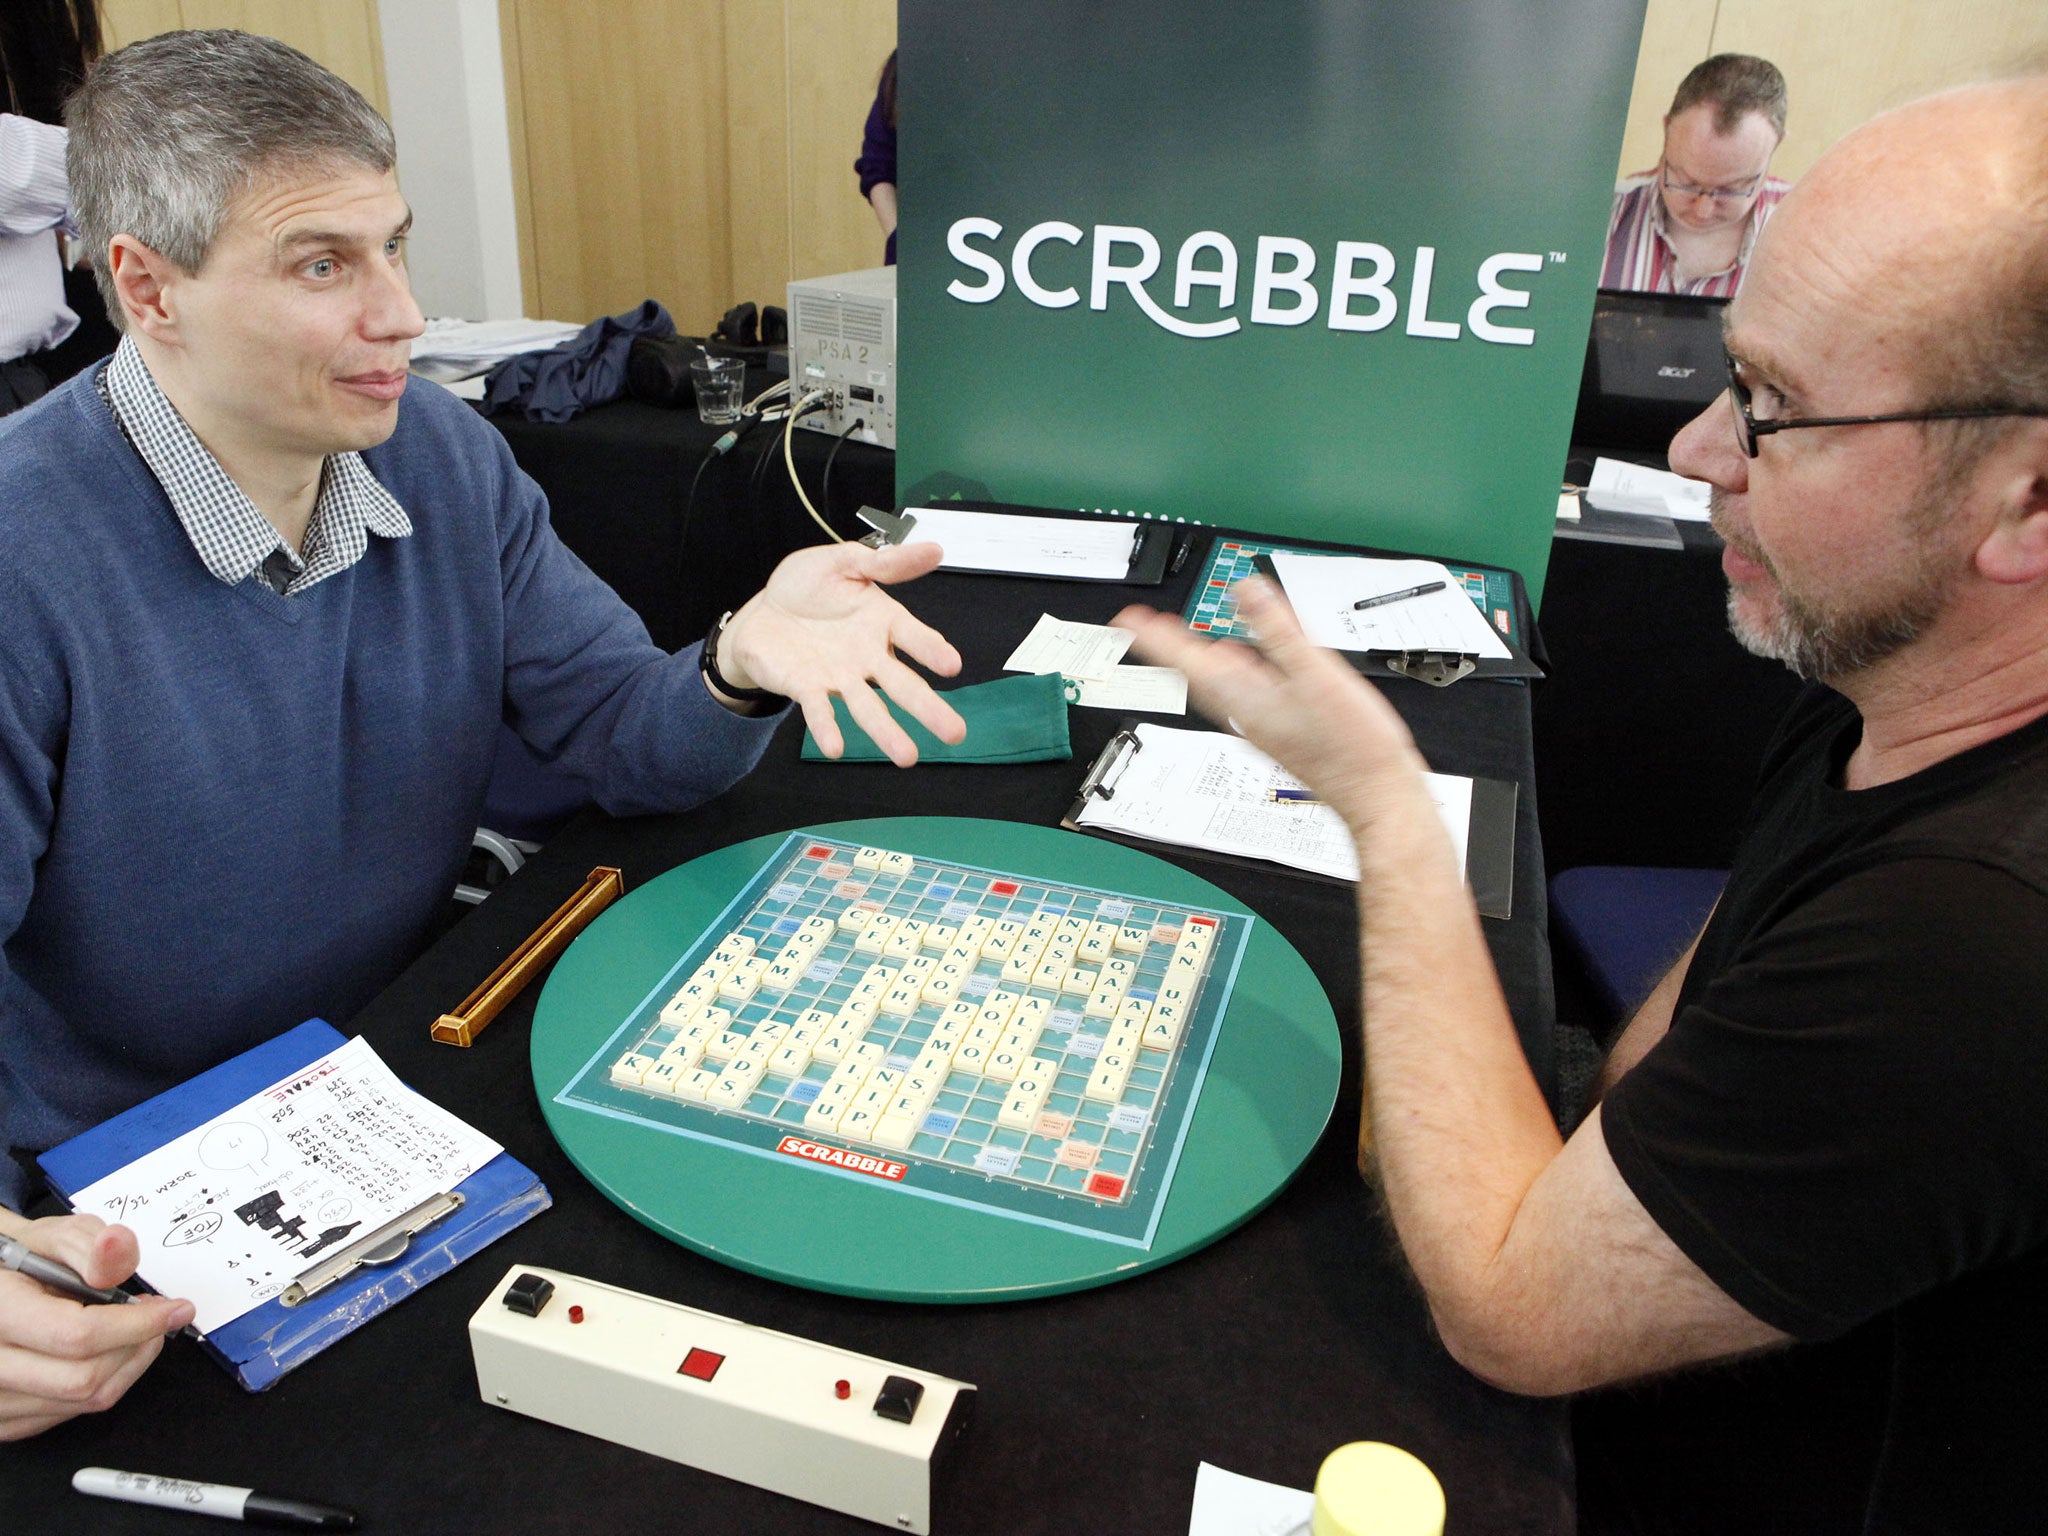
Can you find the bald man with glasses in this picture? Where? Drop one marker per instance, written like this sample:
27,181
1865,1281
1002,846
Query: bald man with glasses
1688,225
1800,1240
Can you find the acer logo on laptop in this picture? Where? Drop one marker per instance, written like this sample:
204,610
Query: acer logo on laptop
1361,287
1673,371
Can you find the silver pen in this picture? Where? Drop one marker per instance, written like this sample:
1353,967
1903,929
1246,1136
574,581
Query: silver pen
58,1277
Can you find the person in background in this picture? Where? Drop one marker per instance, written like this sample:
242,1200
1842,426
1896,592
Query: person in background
876,166
51,324
1688,225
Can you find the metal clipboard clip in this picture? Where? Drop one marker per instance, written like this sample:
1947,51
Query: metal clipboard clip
1439,669
888,527
386,1245
1110,766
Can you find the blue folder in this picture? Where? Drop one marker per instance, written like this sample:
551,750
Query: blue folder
261,1345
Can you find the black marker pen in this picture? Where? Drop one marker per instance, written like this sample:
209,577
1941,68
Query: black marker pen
242,1504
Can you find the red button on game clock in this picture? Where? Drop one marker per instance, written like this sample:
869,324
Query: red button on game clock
700,1363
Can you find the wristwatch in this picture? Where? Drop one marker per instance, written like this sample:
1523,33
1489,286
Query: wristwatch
707,663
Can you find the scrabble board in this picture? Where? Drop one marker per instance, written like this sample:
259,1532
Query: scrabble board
1080,1189
1003,1040
1213,611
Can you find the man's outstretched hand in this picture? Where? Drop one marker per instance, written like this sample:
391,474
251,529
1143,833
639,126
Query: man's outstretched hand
823,625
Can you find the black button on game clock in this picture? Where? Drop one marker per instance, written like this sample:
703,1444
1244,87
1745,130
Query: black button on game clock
899,1398
529,1293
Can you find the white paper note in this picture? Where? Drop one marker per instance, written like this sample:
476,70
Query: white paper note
1619,487
233,1211
1231,1504
1069,648
1080,549
1325,589
1141,690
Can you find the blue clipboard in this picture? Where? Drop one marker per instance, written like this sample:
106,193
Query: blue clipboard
261,1345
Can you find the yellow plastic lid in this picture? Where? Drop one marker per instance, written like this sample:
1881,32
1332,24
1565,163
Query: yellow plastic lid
1370,1489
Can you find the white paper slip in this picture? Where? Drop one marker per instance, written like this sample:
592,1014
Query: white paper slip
1081,549
1140,690
1231,1504
1325,591
1069,648
1203,789
1619,487
233,1211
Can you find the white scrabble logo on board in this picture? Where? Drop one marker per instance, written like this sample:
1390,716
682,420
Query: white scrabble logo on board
839,1157
1284,285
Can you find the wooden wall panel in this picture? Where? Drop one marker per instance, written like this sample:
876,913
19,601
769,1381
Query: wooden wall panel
342,34
129,21
835,58
1895,52
1844,60
757,170
625,156
695,151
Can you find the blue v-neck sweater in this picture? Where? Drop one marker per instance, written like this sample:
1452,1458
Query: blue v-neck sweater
223,811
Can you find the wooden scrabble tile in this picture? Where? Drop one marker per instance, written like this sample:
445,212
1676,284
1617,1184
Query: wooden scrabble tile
869,858
941,936
898,863
790,1059
631,1069
894,1131
696,1082
1134,939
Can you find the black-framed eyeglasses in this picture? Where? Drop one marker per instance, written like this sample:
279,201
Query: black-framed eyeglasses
1748,429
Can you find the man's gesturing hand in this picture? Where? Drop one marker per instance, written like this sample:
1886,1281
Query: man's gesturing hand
823,625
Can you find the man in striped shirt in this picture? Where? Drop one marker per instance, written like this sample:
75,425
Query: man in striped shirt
1687,226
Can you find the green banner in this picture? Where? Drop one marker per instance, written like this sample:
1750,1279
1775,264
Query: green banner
1315,269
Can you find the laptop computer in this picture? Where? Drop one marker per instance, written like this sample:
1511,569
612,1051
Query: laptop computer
1653,362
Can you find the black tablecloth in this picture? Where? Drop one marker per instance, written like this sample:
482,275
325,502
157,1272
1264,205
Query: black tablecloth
1294,1334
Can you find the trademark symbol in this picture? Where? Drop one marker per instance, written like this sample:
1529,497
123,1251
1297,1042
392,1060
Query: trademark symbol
1557,257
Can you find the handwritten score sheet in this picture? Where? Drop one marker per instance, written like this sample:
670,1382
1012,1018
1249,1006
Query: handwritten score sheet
1202,789
233,1211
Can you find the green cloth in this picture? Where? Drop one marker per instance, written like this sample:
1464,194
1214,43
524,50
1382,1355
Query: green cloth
1020,719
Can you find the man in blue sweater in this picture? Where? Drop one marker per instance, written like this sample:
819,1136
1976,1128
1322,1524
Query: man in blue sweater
267,602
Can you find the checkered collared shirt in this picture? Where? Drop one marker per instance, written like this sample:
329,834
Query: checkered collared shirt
234,540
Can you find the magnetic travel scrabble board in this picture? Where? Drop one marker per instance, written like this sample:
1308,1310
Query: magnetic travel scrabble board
1211,609
1011,1042
1088,1156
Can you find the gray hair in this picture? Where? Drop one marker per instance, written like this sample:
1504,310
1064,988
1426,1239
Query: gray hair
167,132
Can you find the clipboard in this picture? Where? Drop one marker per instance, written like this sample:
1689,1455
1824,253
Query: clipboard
1437,668
355,1283
1149,556
1489,834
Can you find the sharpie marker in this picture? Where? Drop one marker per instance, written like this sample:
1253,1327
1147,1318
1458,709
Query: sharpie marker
58,1277
1395,597
242,1504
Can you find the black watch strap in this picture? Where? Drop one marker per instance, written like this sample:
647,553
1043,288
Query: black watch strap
707,663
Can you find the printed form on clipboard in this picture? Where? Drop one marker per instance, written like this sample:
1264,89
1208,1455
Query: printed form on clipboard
1220,794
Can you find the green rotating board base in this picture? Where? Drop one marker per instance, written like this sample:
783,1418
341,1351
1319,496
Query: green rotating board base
1266,1076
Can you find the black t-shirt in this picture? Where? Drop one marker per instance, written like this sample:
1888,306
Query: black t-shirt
1847,1125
